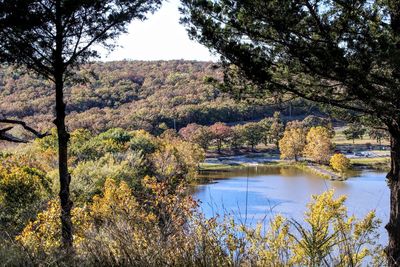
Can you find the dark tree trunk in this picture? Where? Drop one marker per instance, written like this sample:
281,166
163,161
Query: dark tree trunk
65,178
219,145
393,227
63,137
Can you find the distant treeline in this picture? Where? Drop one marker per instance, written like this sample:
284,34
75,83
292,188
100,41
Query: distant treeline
133,95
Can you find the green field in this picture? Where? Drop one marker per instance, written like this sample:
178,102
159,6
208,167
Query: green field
340,139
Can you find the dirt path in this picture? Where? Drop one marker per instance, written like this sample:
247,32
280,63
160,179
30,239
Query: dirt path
325,172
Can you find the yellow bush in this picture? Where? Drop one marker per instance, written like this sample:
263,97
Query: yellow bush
339,162
176,159
118,202
44,234
22,192
330,233
112,216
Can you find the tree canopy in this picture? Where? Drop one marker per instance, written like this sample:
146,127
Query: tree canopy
337,52
342,53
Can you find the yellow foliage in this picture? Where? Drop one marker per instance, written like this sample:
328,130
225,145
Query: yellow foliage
114,215
330,232
44,234
292,143
273,248
23,183
177,159
116,202
339,162
22,192
170,203
319,144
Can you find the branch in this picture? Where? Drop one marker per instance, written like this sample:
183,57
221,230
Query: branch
4,135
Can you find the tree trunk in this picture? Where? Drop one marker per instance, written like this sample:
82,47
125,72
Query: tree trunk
63,137
65,178
393,227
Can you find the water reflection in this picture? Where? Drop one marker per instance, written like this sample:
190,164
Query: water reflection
254,194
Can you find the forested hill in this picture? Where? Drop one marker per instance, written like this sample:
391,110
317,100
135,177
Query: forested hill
127,94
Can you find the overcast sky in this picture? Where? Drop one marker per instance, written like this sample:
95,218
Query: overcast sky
159,37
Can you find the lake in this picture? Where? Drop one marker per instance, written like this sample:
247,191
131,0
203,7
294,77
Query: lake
254,194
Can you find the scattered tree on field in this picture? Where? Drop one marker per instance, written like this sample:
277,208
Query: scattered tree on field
221,133
354,131
203,137
378,135
252,134
188,133
237,139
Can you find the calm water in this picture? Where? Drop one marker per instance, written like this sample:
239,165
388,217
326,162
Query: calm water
254,194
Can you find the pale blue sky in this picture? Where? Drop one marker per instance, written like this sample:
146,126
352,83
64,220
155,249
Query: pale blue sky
159,37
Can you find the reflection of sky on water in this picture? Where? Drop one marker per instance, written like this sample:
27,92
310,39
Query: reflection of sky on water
287,192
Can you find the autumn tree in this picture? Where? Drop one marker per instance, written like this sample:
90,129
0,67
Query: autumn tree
339,162
354,131
221,132
188,132
292,144
22,191
197,134
313,121
51,37
203,137
319,145
340,53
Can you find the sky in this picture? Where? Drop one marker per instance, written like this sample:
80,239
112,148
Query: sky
160,37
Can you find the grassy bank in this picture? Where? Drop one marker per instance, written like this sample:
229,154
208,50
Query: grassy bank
381,164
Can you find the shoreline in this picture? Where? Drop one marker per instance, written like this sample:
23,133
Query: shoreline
226,163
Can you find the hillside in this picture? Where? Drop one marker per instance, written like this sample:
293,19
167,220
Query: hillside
127,94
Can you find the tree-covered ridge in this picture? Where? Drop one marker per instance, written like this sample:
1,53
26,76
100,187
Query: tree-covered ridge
128,94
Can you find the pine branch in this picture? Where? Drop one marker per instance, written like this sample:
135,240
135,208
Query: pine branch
4,135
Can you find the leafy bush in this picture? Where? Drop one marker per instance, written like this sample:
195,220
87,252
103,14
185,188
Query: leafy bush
22,191
339,162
